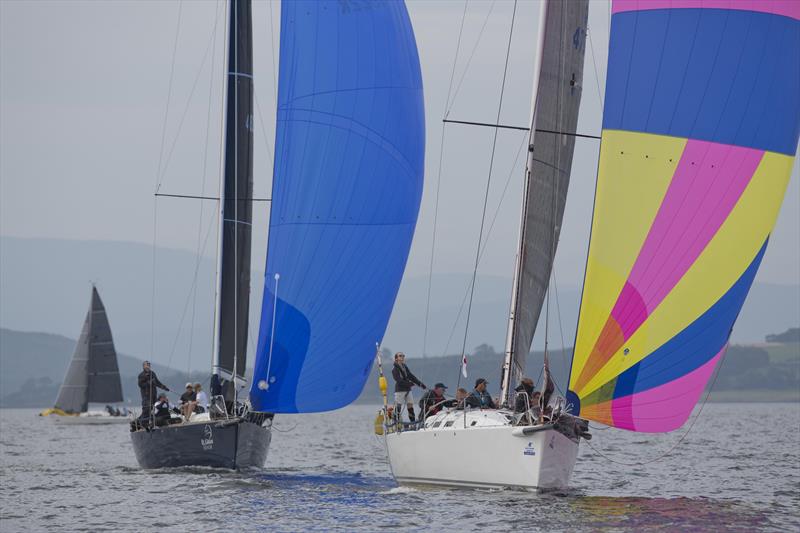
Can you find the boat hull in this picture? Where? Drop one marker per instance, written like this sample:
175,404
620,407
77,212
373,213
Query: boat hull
482,456
219,444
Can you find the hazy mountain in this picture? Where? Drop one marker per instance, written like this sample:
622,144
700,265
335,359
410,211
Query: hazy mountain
45,286
32,366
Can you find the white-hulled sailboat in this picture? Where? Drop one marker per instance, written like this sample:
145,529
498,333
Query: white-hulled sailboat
700,129
454,446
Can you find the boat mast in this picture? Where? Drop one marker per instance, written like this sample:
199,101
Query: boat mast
235,216
509,360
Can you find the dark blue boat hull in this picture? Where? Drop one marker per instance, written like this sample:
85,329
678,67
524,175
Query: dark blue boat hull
221,444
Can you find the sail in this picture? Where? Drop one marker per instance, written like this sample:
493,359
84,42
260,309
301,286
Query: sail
700,129
347,183
93,374
237,207
548,171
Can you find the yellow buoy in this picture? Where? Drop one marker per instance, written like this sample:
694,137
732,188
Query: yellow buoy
379,423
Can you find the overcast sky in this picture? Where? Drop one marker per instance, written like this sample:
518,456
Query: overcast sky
84,90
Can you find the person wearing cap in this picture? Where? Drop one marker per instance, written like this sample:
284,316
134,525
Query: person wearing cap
524,395
161,411
148,387
188,402
433,400
403,381
479,397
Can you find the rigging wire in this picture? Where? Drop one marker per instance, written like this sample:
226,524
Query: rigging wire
202,191
564,352
192,292
556,189
486,194
439,183
511,174
157,184
208,51
679,441
596,72
471,56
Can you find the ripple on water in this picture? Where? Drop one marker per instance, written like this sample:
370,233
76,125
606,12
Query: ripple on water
329,474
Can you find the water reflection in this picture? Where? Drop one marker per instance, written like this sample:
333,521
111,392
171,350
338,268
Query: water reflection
608,513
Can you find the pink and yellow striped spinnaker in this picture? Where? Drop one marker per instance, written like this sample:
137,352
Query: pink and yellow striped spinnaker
700,130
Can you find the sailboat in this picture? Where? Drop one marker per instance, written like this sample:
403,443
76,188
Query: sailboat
452,447
700,129
93,374
230,434
346,189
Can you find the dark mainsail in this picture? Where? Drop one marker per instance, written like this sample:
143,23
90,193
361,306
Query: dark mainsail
93,374
237,211
547,172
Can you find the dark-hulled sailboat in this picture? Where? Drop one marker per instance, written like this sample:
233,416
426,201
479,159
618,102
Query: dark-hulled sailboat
93,374
346,189
230,435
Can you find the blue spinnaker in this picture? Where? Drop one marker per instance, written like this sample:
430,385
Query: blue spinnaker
347,183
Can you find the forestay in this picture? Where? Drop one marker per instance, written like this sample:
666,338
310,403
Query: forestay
346,190
93,374
701,121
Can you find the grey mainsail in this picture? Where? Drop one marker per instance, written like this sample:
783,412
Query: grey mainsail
93,374
237,208
547,174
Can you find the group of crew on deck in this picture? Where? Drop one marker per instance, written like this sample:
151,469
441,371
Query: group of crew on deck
156,405
433,400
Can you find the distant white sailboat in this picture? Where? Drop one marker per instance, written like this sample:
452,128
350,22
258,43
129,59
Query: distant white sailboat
92,376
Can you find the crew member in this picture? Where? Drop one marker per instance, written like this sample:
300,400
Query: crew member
148,387
403,381
433,400
524,401
479,397
161,410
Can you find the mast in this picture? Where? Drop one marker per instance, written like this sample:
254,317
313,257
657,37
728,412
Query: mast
236,211
508,361
554,120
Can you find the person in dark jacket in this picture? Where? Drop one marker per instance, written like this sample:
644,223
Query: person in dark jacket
148,387
161,410
479,397
403,381
433,400
523,401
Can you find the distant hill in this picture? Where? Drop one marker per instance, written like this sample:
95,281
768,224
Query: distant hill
747,373
44,285
32,366
788,336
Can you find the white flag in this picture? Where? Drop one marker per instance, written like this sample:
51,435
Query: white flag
464,365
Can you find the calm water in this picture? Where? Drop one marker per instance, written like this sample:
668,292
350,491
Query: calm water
738,469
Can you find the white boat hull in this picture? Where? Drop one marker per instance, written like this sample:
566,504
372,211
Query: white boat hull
491,453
